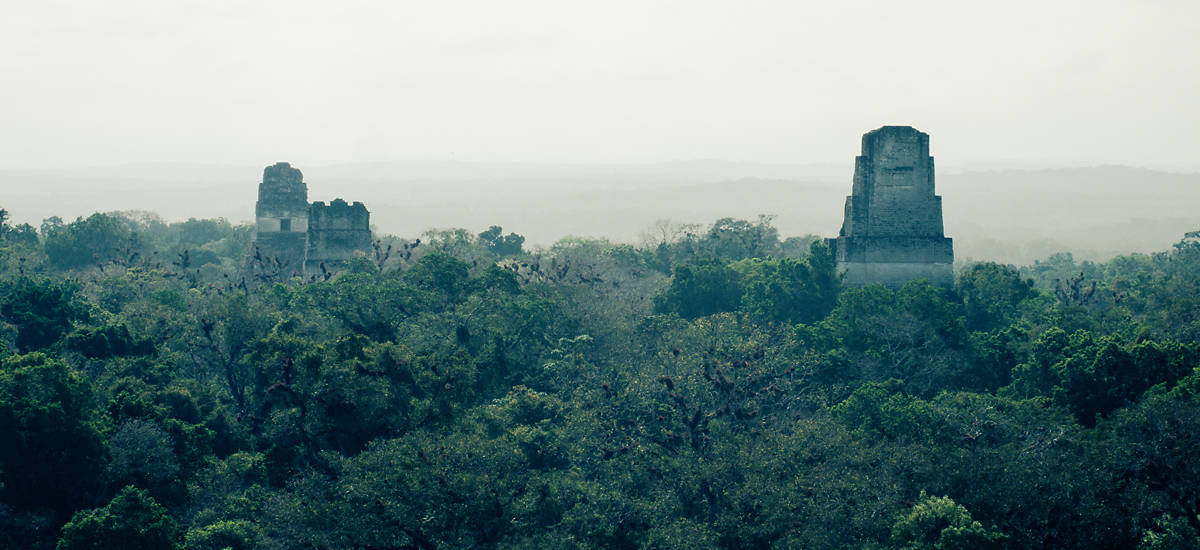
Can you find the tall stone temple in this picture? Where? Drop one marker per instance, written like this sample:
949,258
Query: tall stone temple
893,231
295,237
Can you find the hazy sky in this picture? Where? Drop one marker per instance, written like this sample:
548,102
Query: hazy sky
249,82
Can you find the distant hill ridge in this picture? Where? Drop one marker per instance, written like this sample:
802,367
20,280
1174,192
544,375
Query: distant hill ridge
1000,213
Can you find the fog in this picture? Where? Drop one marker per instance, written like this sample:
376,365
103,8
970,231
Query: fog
1013,215
1065,125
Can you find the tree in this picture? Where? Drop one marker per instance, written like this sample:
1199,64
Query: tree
1169,533
98,239
42,309
698,290
226,535
1094,376
992,295
1157,445
111,340
141,455
883,411
442,273
936,523
51,224
914,334
507,245
194,232
470,487
20,235
131,521
52,450
812,484
23,235
226,504
791,291
731,239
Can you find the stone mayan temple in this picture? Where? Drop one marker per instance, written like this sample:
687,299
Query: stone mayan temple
298,238
893,232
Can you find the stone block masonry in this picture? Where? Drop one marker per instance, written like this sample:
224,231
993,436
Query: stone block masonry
336,233
892,232
281,219
295,238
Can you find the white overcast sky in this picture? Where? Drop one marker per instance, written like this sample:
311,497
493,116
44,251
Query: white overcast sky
249,82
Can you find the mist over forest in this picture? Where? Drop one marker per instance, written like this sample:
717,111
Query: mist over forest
1003,212
191,385
619,275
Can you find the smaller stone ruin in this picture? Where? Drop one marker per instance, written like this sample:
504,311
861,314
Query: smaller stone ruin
336,233
295,238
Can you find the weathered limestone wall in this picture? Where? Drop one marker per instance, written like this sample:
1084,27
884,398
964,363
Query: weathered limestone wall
282,193
281,225
895,274
293,237
337,231
893,231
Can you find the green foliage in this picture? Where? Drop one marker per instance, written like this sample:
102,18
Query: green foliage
503,245
914,334
1169,533
1188,386
131,521
992,357
883,411
712,388
112,340
441,273
24,236
194,232
141,454
812,485
790,291
52,450
225,535
730,239
21,237
726,240
700,290
1155,447
225,496
941,524
992,295
472,487
1095,376
98,239
369,305
43,310
1057,268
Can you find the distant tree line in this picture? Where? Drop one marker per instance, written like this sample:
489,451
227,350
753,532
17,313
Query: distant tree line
710,387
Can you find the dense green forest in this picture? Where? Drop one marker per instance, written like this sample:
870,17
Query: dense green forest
719,388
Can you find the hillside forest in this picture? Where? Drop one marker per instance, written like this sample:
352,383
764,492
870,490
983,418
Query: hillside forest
161,387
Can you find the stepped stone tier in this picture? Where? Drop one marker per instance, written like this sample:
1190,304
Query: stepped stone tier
294,237
892,231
